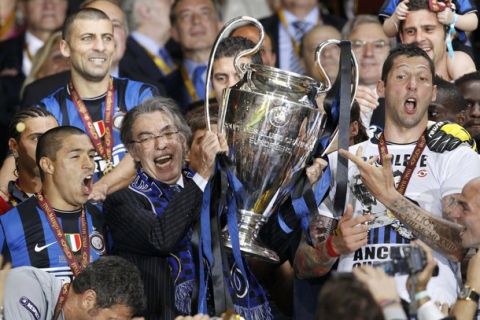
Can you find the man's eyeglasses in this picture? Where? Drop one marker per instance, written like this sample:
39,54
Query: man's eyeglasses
148,140
378,45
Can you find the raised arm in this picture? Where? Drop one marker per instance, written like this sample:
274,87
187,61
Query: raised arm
439,234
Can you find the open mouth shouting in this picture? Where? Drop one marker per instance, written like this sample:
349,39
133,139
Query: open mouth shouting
410,105
87,184
163,160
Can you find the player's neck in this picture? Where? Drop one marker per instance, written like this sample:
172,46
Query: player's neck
28,183
401,135
89,89
70,311
55,199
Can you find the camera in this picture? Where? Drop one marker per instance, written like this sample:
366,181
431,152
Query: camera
405,260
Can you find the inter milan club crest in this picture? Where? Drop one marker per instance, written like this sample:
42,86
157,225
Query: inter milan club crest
97,242
118,120
74,241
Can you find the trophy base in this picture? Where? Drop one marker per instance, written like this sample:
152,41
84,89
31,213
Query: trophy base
249,223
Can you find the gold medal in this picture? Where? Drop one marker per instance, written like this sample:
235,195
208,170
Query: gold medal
108,167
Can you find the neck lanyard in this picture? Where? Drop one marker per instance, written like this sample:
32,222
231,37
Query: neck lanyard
283,21
411,164
72,261
188,84
103,147
62,297
159,62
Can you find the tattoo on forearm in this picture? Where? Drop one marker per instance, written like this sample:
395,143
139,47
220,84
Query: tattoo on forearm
311,262
439,234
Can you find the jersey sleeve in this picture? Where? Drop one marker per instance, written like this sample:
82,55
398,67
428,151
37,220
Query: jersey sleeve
387,9
460,166
28,295
465,6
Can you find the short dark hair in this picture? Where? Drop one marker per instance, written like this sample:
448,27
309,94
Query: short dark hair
196,117
409,50
448,95
21,116
472,76
82,14
173,18
115,281
344,297
51,141
417,5
231,46
355,116
164,105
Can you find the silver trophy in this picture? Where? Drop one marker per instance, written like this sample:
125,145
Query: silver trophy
271,122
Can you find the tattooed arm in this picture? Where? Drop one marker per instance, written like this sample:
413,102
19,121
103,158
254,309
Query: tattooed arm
351,234
439,234
312,260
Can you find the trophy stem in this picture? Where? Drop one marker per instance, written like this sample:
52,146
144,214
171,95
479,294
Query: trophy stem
249,224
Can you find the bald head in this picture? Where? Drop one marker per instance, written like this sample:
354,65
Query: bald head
470,217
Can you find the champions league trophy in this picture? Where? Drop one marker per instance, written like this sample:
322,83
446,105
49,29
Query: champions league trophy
271,122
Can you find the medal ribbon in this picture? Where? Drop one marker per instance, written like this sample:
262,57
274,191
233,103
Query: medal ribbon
62,297
159,62
103,147
62,241
283,21
411,164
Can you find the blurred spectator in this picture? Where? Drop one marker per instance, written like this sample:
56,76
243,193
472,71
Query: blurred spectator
287,27
250,32
449,104
147,58
24,131
330,57
9,27
469,86
370,45
42,17
48,60
195,24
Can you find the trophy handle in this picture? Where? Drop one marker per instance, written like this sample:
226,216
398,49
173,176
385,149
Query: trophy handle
318,54
227,28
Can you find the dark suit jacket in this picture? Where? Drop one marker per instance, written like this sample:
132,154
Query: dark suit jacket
11,58
272,25
146,240
39,89
137,65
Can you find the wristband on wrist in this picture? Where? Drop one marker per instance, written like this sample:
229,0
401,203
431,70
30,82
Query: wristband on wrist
421,295
330,250
455,19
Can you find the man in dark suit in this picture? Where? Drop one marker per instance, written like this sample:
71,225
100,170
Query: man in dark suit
195,24
147,58
288,25
151,220
41,19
